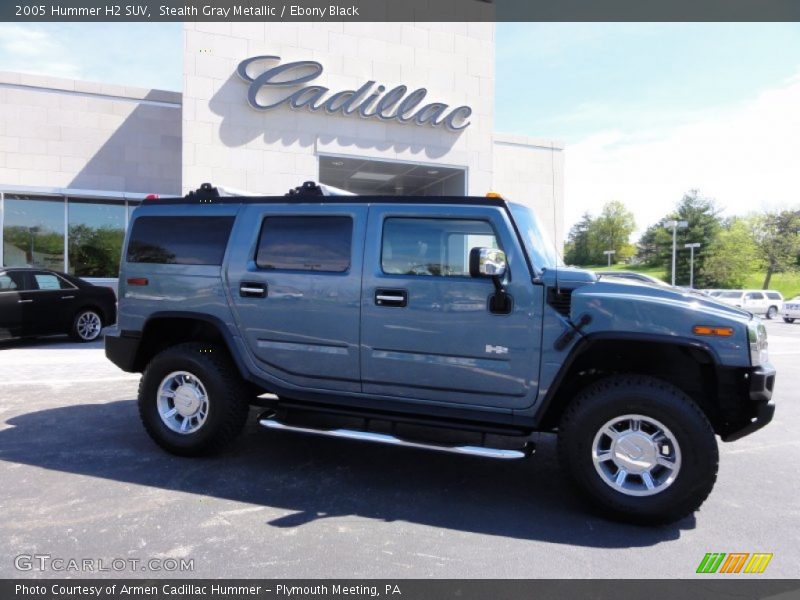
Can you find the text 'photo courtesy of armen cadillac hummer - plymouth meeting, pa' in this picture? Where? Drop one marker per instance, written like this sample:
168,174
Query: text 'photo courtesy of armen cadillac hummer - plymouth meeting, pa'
448,324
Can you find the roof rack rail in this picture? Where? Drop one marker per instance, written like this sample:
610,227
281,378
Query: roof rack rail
205,193
309,188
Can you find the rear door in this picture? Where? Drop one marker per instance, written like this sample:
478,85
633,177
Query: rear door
52,303
428,333
755,302
294,278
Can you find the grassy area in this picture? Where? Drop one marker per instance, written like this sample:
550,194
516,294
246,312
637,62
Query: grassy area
787,284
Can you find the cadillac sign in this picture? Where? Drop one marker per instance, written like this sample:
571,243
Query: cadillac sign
283,84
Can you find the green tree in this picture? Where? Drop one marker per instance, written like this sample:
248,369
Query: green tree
702,217
576,250
731,256
777,237
612,231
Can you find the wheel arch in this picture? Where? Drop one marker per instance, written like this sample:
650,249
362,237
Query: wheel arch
165,329
689,364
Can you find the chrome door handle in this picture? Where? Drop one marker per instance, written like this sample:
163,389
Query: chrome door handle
67,297
252,289
391,297
24,301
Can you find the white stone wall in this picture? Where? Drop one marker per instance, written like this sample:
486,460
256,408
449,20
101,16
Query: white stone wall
227,142
91,136
531,171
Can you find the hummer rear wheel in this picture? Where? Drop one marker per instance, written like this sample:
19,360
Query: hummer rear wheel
192,399
639,449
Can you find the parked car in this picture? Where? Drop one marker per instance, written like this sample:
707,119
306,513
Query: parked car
35,302
791,310
632,276
445,324
759,302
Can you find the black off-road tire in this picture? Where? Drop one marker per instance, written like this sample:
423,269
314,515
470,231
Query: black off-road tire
621,395
227,399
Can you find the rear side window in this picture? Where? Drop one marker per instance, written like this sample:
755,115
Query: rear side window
773,295
305,243
48,281
755,296
179,240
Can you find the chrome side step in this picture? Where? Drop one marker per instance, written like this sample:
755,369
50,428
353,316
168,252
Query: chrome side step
382,438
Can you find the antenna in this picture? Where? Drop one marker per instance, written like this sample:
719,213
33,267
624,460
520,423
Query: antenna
555,218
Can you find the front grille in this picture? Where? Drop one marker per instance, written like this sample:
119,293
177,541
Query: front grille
560,300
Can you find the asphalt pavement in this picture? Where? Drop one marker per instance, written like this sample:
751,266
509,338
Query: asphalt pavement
81,480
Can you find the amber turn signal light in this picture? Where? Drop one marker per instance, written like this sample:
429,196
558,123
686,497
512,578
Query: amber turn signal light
708,330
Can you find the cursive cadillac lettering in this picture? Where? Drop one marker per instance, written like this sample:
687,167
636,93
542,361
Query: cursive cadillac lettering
368,101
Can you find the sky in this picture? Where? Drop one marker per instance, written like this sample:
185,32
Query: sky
647,111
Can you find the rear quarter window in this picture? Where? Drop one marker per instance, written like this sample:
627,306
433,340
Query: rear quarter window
179,240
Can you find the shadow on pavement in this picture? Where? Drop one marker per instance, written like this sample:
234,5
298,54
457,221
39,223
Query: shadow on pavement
318,478
55,342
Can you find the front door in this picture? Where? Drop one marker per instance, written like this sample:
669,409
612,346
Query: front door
428,333
296,288
12,305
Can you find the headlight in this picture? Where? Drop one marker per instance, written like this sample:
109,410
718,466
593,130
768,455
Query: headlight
757,337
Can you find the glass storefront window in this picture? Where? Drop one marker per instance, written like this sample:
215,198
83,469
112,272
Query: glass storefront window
33,232
96,232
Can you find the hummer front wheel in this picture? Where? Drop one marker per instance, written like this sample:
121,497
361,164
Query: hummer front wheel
639,449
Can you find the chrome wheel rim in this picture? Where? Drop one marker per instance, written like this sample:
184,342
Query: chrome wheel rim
89,325
636,455
182,402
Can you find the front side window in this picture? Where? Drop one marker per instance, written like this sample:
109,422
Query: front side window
10,282
432,247
755,296
305,243
179,240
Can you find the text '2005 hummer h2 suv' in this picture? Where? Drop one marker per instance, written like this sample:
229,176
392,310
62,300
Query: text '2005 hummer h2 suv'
438,323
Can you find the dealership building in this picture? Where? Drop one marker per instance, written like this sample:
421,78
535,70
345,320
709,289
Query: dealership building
372,108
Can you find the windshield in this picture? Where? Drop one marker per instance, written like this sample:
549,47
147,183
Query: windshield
729,295
540,249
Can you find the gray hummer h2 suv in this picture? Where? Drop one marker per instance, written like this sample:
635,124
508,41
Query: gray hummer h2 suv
446,324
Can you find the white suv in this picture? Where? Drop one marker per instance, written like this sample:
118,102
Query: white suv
762,302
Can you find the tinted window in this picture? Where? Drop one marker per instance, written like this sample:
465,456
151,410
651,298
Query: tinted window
755,296
7,283
438,247
773,295
305,243
730,295
179,240
33,232
48,281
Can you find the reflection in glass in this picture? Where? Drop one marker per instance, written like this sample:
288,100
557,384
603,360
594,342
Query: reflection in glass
96,231
33,232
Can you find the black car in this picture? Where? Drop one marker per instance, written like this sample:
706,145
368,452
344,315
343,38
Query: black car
40,302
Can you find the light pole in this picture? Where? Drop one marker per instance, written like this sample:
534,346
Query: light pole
691,248
609,253
674,225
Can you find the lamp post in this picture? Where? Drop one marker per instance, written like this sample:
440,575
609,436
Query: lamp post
691,248
674,226
609,253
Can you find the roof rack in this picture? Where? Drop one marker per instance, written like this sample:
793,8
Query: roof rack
311,192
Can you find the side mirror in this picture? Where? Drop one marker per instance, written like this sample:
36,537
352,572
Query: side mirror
487,262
